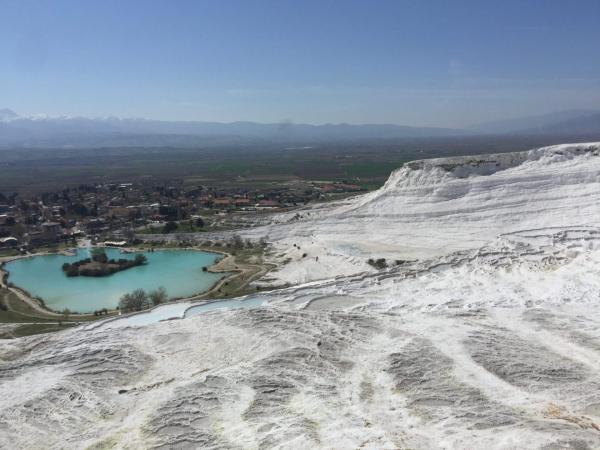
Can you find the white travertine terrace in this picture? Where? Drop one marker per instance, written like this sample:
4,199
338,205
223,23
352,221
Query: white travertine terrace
434,207
486,336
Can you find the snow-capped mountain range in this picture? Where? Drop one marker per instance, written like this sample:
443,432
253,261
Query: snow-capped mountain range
48,131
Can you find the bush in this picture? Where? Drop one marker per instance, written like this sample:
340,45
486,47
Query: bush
158,296
169,227
377,263
99,255
134,301
66,313
140,259
72,271
237,241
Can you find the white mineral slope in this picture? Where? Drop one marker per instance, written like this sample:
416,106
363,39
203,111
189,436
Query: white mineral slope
434,207
493,345
495,348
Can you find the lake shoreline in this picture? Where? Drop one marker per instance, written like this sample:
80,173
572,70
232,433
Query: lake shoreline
39,304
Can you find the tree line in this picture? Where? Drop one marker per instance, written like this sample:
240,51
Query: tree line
139,299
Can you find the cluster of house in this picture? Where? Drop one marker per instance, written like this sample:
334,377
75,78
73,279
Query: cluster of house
338,188
238,202
14,233
111,210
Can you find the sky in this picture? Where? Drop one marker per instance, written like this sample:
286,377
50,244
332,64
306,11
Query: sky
411,62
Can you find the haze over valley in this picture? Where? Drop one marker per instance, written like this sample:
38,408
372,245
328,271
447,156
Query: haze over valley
50,132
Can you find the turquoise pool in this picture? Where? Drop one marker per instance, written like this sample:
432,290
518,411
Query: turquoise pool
179,271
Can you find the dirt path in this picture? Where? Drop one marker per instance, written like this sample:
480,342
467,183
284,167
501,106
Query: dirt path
25,298
239,270
32,303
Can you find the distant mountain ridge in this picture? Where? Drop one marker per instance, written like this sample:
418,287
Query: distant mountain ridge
72,131
43,131
569,121
589,123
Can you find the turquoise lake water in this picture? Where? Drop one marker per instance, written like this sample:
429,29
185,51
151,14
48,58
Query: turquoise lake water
179,271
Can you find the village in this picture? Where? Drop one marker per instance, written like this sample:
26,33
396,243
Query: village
114,213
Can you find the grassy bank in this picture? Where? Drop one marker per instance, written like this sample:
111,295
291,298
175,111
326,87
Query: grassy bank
29,321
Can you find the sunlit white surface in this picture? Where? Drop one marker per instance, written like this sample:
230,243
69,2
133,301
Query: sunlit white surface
493,346
177,310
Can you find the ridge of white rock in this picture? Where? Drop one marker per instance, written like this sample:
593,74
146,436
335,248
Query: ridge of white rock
491,344
434,207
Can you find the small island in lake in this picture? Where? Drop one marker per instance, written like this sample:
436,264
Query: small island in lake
100,266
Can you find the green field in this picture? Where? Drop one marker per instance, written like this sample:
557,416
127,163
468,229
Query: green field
367,163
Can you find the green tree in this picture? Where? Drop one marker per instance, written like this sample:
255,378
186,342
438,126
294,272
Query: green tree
169,227
72,270
99,255
237,241
130,234
140,259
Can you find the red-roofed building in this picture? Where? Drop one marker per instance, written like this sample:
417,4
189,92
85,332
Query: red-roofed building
222,202
268,204
242,202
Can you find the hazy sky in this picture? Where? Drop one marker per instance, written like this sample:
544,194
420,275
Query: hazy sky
415,62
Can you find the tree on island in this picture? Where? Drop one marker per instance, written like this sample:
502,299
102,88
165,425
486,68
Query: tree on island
100,266
140,259
99,255
71,270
